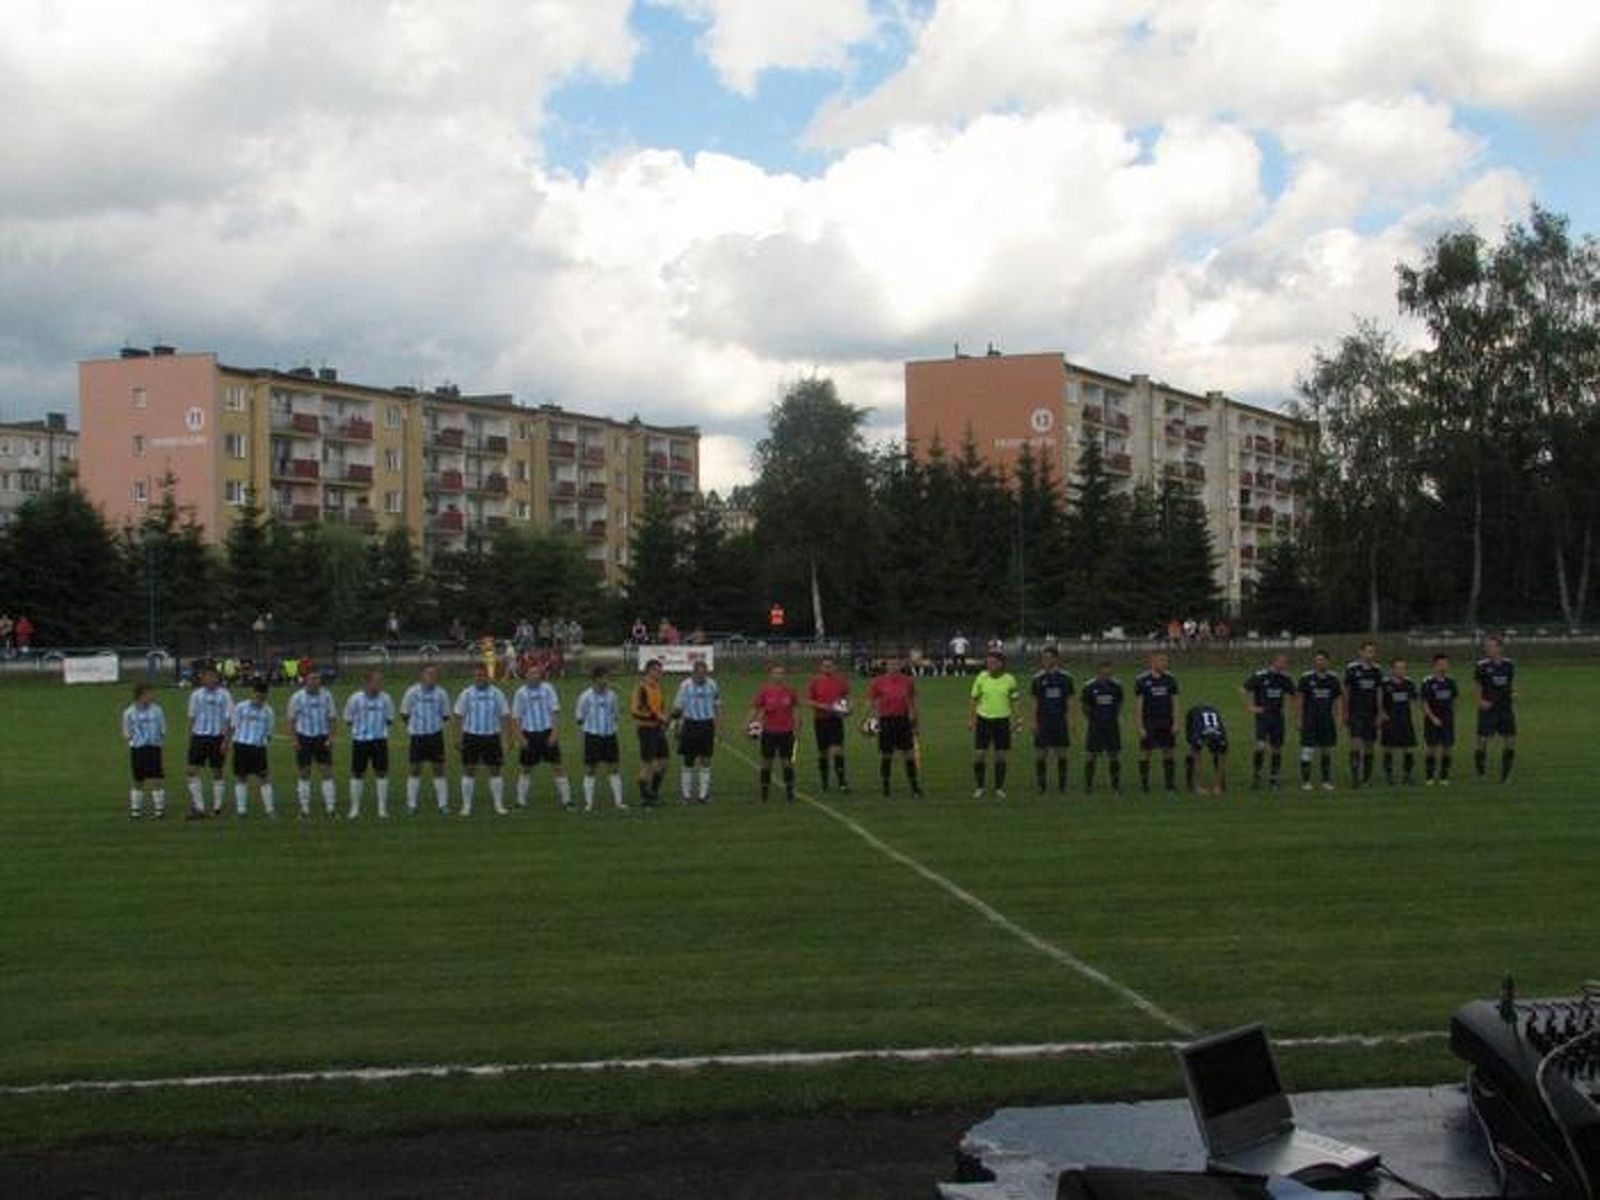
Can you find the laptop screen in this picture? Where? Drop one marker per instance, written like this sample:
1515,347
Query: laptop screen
1232,1073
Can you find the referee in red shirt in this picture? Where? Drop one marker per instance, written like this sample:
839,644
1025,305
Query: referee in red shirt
828,695
893,696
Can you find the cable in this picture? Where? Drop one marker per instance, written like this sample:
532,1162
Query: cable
1416,1189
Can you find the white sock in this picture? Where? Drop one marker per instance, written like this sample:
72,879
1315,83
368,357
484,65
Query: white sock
441,792
522,790
355,797
196,797
241,797
497,793
159,799
413,790
588,792
135,799
705,783
219,789
564,791
330,796
616,791
686,782
266,799
468,783
383,795
302,793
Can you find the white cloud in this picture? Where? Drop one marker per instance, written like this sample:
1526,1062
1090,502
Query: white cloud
747,37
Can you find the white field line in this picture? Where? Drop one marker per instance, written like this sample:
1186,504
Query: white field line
773,1059
995,917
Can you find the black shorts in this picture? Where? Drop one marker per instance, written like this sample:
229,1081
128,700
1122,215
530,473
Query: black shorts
829,732
1497,722
600,748
1364,726
372,753
1399,735
697,739
1103,739
308,750
426,748
1319,735
1052,735
249,760
205,750
1439,735
895,733
145,762
1269,729
482,750
1216,743
653,743
777,745
992,732
538,747
1158,737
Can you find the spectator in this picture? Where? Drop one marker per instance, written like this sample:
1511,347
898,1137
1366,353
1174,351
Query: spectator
7,629
391,627
524,636
546,632
23,632
458,631
640,633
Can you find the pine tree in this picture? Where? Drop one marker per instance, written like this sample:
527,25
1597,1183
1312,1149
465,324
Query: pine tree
1187,553
654,578
1093,530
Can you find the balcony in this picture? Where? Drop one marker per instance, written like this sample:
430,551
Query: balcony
362,517
450,435
1247,553
595,530
447,481
1119,464
1196,434
563,449
683,466
564,488
594,491
1194,472
1261,445
1264,514
298,513
1117,420
496,444
594,455
657,462
300,468
566,525
1246,479
450,522
495,484
495,524
1093,415
353,430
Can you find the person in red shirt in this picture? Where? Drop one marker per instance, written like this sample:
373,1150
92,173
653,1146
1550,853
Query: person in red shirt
24,633
777,710
829,698
893,696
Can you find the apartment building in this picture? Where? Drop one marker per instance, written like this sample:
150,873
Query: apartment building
35,456
1243,461
449,467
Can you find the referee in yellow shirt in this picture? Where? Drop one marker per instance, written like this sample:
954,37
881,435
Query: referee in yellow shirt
994,693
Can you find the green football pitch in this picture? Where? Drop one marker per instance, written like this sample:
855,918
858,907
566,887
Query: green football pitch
1097,928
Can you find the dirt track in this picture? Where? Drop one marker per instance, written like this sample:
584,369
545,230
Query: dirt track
793,1158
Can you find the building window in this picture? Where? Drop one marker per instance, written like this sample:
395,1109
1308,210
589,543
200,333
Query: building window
5,446
391,460
522,471
522,431
234,445
140,398
393,416
233,491
138,445
391,502
233,397
141,491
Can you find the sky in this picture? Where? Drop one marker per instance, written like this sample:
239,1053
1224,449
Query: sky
675,208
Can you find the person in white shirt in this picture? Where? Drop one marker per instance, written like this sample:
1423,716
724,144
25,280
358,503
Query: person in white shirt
251,725
210,706
369,713
535,708
598,714
425,708
144,728
482,712
311,716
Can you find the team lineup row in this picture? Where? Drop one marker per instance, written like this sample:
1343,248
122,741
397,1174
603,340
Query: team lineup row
1374,707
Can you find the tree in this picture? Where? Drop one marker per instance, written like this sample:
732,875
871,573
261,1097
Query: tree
653,582
250,579
63,570
1142,606
181,569
395,583
1093,528
1186,552
1280,598
1041,542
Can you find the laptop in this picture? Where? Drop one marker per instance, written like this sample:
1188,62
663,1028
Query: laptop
1244,1115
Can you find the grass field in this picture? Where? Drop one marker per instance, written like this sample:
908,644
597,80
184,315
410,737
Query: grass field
153,950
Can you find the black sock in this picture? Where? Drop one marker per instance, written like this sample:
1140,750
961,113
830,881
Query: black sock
1444,766
1188,772
885,769
788,779
1000,775
1429,765
911,775
1169,772
1041,773
838,769
1408,763
1480,760
766,781
1277,765
1305,770
1388,766
822,771
1507,757
644,788
1144,774
980,773
1061,773
1355,768
1367,763
1327,766
1088,773
1116,774
1255,765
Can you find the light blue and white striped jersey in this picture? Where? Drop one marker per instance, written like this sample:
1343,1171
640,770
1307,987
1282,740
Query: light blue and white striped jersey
482,709
252,723
311,713
144,726
597,712
209,711
369,717
425,709
699,699
536,706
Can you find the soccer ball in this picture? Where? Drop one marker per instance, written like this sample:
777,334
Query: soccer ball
870,727
753,729
842,707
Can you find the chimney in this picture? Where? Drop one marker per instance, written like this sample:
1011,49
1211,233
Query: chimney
328,375
56,422
163,351
134,352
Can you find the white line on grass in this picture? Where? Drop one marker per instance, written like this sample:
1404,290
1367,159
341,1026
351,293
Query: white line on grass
771,1059
994,916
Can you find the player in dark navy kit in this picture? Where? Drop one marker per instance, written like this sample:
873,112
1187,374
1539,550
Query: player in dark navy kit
1319,692
1497,692
1362,678
1052,690
1266,691
1205,733
1102,715
1397,697
1155,705
1439,693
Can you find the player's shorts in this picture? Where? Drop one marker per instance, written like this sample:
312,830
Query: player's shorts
537,747
600,748
829,732
697,739
1364,726
1320,735
992,732
1052,735
777,745
1497,722
205,750
1217,743
1103,739
653,743
1158,737
145,762
373,753
1269,729
308,750
427,748
482,750
249,760
1399,735
895,733
1439,735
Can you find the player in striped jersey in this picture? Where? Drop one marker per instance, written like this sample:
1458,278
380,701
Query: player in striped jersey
483,713
210,706
311,716
144,728
369,713
535,707
251,726
698,705
425,708
598,714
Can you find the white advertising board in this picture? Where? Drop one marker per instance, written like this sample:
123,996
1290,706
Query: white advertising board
679,659
90,668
